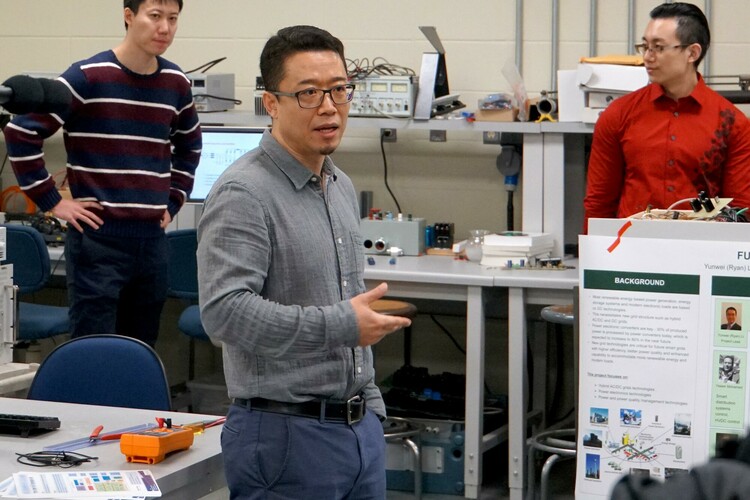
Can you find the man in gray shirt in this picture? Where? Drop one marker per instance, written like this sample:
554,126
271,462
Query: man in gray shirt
280,267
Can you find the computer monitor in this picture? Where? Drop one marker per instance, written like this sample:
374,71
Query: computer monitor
221,147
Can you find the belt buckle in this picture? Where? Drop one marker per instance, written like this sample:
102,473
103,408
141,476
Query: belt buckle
359,408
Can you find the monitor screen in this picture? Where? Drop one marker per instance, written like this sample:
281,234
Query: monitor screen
221,147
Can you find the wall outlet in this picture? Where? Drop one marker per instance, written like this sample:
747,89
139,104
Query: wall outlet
491,137
438,136
388,134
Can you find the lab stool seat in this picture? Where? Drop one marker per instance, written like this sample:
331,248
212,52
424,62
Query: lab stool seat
560,444
559,314
398,308
407,431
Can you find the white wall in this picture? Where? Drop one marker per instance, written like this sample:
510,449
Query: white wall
47,35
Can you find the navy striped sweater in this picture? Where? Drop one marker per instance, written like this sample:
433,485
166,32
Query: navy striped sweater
133,143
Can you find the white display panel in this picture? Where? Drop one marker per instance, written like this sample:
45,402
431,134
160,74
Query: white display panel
221,147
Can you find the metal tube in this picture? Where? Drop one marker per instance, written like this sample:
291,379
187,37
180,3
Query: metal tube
708,9
592,27
519,36
631,26
555,43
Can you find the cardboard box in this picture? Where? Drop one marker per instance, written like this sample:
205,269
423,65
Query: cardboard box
496,115
505,115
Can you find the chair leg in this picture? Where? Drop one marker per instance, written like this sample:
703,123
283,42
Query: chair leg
407,346
191,369
417,464
546,469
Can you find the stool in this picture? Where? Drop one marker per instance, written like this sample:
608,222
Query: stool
561,315
402,429
398,308
549,442
560,443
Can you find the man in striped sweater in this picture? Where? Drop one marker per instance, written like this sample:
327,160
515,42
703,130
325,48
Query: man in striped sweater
133,143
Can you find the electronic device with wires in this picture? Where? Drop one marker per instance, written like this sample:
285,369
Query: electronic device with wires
221,147
380,235
26,424
52,230
390,96
260,88
213,92
437,404
153,445
704,208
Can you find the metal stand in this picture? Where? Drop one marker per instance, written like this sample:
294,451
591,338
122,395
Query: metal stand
560,443
402,429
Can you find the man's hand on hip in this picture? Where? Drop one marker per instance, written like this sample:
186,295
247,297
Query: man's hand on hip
73,211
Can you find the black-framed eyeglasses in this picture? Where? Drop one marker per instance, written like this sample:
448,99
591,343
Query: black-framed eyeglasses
312,97
642,48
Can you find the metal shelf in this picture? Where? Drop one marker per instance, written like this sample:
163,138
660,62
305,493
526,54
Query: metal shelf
248,119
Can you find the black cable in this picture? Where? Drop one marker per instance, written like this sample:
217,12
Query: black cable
361,68
57,263
218,98
385,172
448,334
4,119
458,346
205,67
64,459
510,211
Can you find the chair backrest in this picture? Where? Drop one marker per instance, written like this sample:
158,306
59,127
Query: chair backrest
183,264
27,251
107,370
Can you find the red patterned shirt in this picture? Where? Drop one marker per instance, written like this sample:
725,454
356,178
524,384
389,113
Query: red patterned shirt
649,149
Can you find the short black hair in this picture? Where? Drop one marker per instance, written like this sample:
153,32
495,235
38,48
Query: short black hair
134,5
289,41
731,308
692,25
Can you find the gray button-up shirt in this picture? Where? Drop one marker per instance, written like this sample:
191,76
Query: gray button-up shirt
278,260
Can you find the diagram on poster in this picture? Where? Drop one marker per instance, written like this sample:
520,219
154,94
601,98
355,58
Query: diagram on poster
662,356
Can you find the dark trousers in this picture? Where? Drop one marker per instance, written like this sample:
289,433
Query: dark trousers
272,457
116,285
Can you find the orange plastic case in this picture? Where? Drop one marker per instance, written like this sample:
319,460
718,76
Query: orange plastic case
151,446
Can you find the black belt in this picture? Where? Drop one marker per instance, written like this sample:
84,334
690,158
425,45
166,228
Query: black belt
351,411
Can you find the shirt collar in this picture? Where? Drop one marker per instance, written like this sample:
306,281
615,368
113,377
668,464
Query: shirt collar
297,173
699,93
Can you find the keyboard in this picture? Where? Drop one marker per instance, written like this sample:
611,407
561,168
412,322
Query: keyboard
26,424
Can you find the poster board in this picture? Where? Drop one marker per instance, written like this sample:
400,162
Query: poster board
662,376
